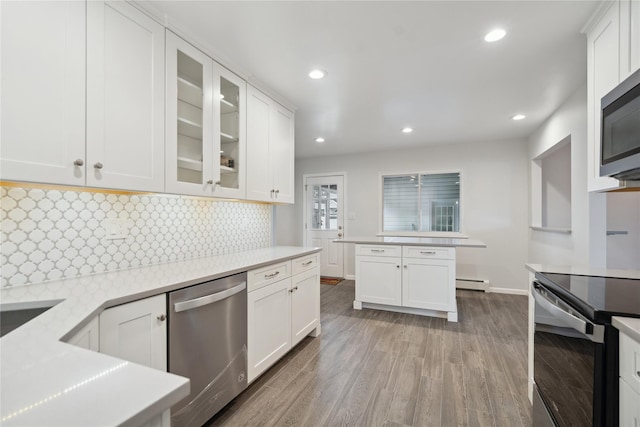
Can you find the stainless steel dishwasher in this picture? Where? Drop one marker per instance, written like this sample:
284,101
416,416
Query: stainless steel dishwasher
208,345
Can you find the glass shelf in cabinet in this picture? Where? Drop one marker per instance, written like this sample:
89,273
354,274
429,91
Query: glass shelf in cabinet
226,138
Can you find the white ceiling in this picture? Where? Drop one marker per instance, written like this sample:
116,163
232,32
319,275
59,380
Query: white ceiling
392,64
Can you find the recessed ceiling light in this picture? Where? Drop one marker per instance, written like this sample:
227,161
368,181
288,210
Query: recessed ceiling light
407,130
317,74
518,117
495,35
319,139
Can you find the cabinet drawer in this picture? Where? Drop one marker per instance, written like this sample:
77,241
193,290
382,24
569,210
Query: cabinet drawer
428,252
378,250
630,361
305,263
261,277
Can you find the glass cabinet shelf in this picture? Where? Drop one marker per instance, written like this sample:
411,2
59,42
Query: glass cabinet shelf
227,170
187,163
226,138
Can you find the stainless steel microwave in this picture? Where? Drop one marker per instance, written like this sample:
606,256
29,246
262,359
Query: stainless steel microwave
620,131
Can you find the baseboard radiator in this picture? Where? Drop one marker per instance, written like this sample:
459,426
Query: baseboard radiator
472,284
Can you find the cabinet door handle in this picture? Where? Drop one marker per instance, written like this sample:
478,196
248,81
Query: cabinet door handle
272,275
377,250
428,252
98,165
405,266
277,191
79,162
638,373
397,266
304,264
162,317
210,182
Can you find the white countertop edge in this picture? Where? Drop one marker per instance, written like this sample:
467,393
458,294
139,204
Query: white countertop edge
583,270
33,344
629,325
449,242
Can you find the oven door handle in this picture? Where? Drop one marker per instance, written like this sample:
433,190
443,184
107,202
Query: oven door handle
566,317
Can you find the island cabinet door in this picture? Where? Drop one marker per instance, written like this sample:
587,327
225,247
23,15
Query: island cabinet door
379,280
428,284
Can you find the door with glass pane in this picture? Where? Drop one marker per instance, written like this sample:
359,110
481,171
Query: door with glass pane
230,95
324,203
190,120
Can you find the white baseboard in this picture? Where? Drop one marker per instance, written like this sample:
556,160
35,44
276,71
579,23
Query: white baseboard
350,277
509,291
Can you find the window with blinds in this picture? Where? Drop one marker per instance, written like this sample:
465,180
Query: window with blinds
421,202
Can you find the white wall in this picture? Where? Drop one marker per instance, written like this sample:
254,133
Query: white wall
495,202
586,245
556,187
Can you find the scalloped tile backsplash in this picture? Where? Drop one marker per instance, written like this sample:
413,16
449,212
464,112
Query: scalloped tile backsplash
54,234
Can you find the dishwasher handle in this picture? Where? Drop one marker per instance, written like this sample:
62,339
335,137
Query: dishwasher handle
208,299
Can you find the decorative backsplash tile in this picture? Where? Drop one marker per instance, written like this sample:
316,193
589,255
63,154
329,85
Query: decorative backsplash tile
53,234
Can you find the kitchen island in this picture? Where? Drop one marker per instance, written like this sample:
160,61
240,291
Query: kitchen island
414,275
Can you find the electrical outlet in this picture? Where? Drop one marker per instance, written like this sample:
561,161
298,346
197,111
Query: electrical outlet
115,228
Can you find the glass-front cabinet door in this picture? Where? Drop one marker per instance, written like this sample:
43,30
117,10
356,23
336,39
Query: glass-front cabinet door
189,122
205,124
230,92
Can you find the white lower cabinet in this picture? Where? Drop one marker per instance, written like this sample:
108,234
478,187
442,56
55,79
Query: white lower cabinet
629,381
88,337
379,279
137,332
269,326
426,283
305,304
412,277
282,312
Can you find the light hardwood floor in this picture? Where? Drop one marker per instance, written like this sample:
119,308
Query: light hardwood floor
376,368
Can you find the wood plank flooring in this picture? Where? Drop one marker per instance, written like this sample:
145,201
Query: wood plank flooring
376,368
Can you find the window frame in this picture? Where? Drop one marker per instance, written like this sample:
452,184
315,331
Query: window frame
450,234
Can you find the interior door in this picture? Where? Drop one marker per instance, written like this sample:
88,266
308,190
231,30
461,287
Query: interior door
324,206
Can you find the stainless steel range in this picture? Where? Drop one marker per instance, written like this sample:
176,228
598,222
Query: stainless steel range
576,348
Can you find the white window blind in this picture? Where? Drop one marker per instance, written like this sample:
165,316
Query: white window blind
421,202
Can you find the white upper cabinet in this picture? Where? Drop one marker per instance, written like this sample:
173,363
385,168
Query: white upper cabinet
53,130
270,149
205,124
613,53
230,93
125,98
629,37
43,92
189,121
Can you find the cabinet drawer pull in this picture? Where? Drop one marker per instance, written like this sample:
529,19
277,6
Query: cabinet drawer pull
98,165
79,162
272,275
428,252
377,250
304,264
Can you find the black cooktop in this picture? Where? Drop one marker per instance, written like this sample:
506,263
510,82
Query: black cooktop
597,298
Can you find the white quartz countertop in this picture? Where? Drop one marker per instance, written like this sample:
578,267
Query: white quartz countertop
44,381
414,241
584,271
628,325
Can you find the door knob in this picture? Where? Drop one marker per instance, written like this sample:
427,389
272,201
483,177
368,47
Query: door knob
339,234
339,227
78,162
98,165
162,317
